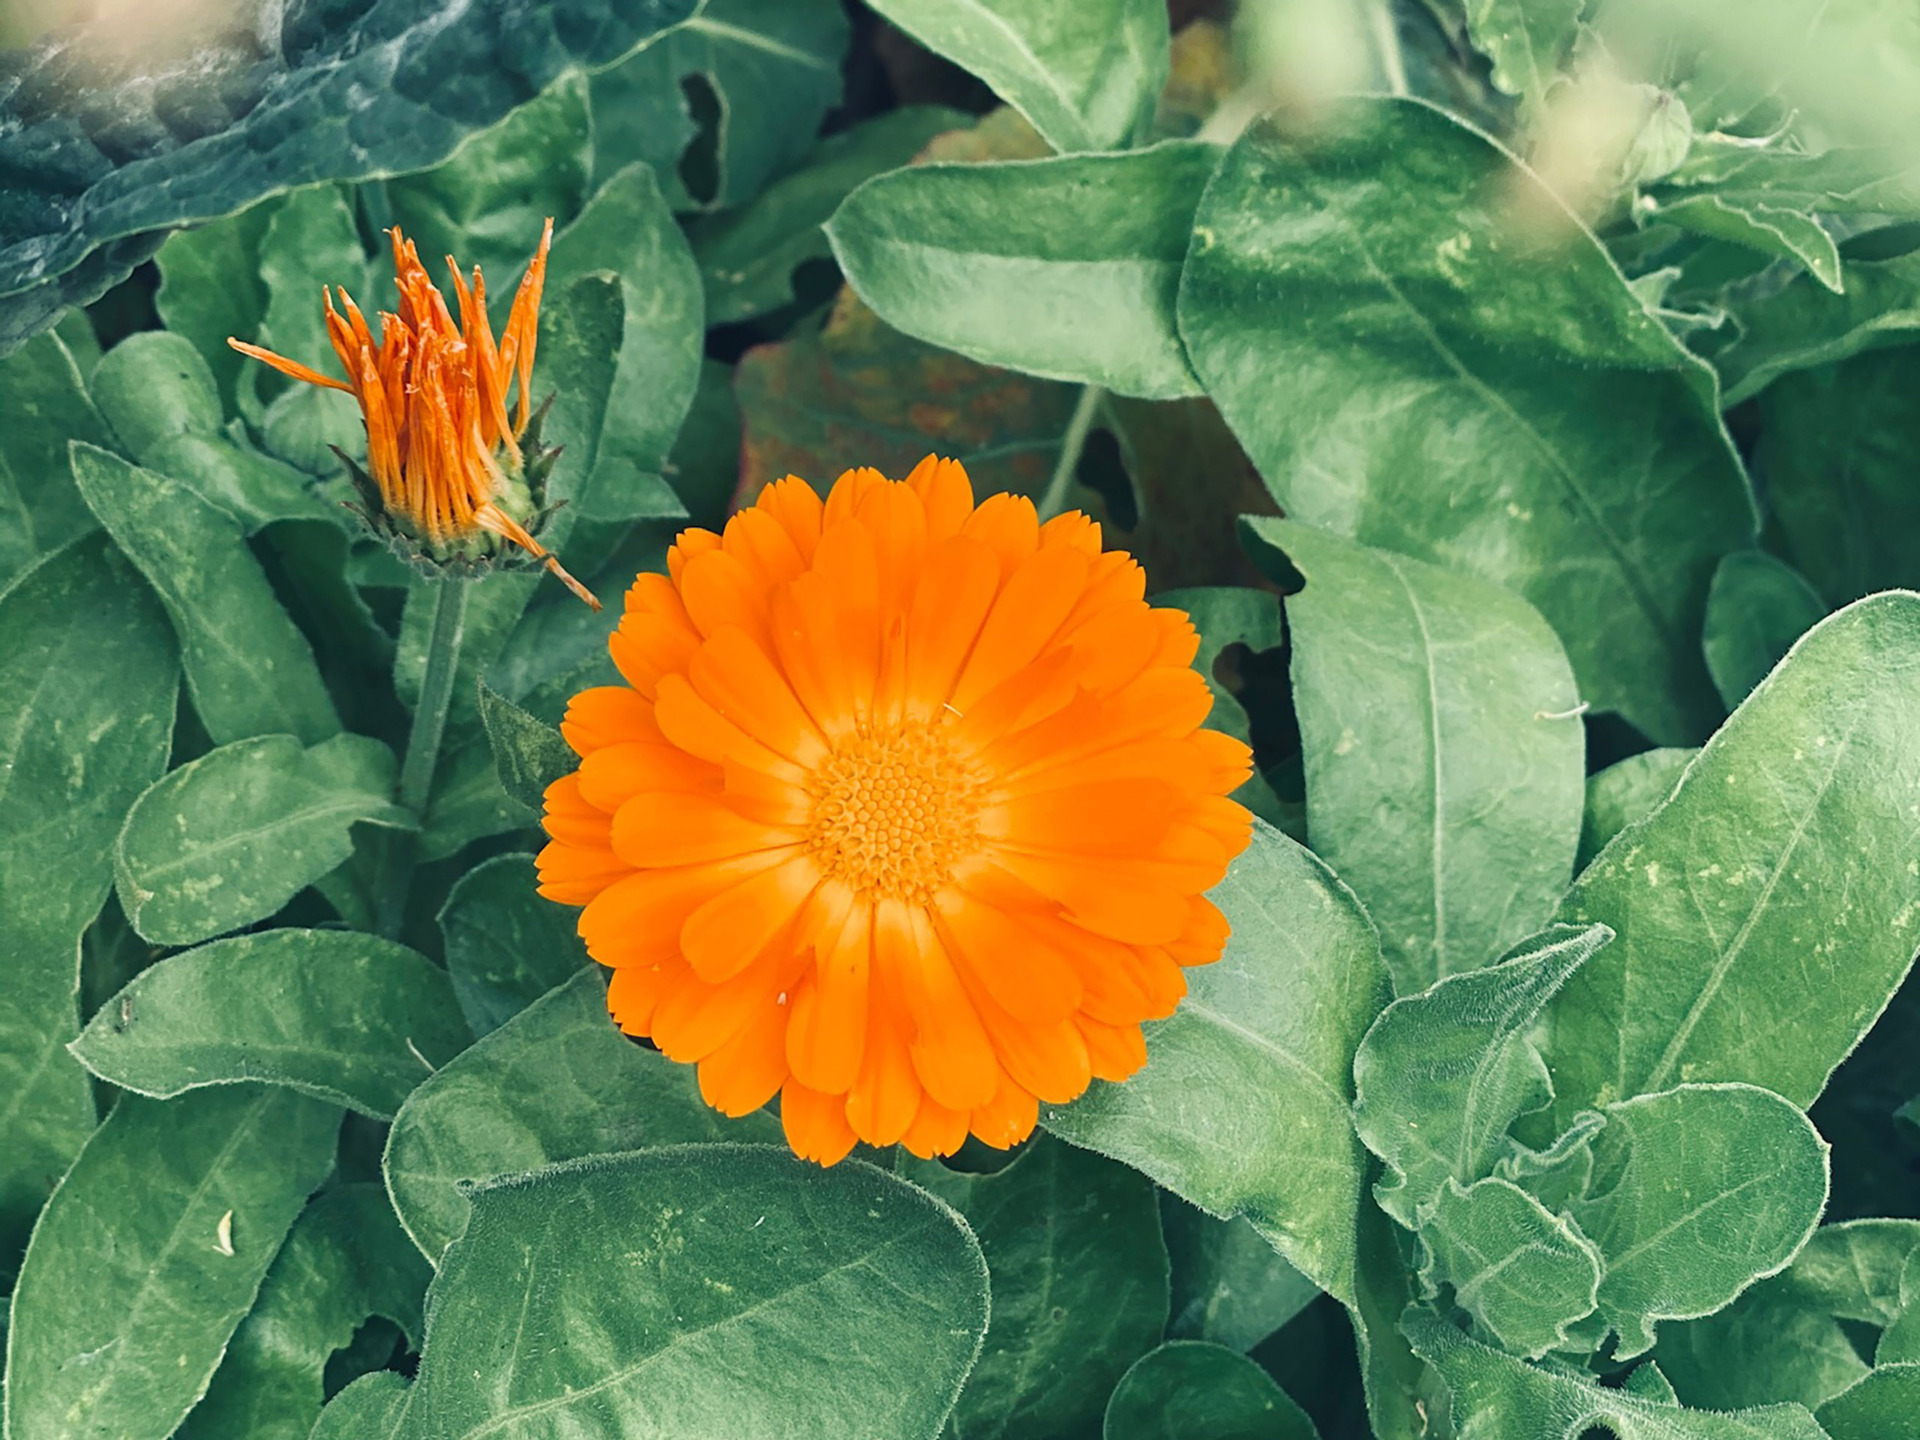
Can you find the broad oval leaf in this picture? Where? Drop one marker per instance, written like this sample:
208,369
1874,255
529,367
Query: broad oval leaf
345,1017
505,945
1757,608
47,406
1444,755
1522,1272
1279,1016
1757,940
1190,1390
231,837
701,1292
123,1309
74,754
1696,1193
1362,300
1066,268
1626,791
1087,74
372,1408
556,1082
1762,1349
1229,1286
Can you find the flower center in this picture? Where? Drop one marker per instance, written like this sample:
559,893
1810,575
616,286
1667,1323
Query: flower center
893,810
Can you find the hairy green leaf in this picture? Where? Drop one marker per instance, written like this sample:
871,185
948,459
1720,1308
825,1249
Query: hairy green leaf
372,1408
505,945
1761,1350
1189,1390
1756,609
529,753
1228,1285
1523,1273
1806,325
1880,1407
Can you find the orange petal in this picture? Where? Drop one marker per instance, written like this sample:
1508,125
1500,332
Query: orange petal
728,932
675,828
606,715
748,1071
1008,1118
949,1048
826,1038
615,774
1008,526
955,593
947,494
734,675
291,368
886,1096
1127,817
762,544
697,1019
1105,896
571,819
1025,975
634,991
1114,1051
574,876
719,590
1029,609
799,509
816,1124
935,1130
638,919
686,719
648,646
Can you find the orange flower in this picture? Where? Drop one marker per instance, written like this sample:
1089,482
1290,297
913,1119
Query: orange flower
433,395
903,812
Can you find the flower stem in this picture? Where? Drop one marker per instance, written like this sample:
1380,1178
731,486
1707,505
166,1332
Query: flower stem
1071,444
423,743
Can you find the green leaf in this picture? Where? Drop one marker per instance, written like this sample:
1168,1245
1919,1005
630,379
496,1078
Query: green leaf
1880,1407
1496,1397
1087,75
372,1408
231,837
249,669
1421,312
1079,1280
1756,609
1852,1271
1753,944
47,405
417,77
1227,1284
149,1255
346,1260
556,1082
505,945
706,1292
88,677
771,70
1806,325
1696,1193
529,753
1066,268
748,256
1835,444
210,288
1748,219
1442,1074
1445,758
1527,40
1760,1350
1401,1392
1626,791
1186,1390
347,1018
1523,1273
1278,1016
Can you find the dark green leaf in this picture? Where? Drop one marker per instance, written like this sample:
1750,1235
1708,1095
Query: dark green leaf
249,669
346,1260
1278,1016
1852,1271
1186,1390
372,1408
1228,1285
47,405
347,1018
1066,268
1442,1074
557,1082
1806,325
1086,75
529,753
210,288
703,1292
1417,311
149,1256
1079,1280
88,677
1753,943
506,946
1881,1407
1756,609
233,836
1761,1350
1444,755
1624,792
1523,1273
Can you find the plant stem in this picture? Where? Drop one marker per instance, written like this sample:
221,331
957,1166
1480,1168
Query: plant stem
423,744
1071,444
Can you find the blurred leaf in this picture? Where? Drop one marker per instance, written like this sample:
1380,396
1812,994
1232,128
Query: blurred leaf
1079,1280
1756,609
1426,311
1522,1272
249,669
231,837
769,68
149,1256
556,1082
1880,1407
346,1260
1755,221
47,405
1806,325
1186,1390
506,946
1626,791
1442,1074
1228,1285
1836,445
1087,75
1500,1398
1066,268
347,1018
1444,753
1527,40
1851,1271
211,287
748,256
1696,1193
529,753
275,102
1278,1016
704,466
74,753
1752,943
1760,1350
860,393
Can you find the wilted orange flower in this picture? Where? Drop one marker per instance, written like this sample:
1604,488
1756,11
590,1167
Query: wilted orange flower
433,395
904,812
